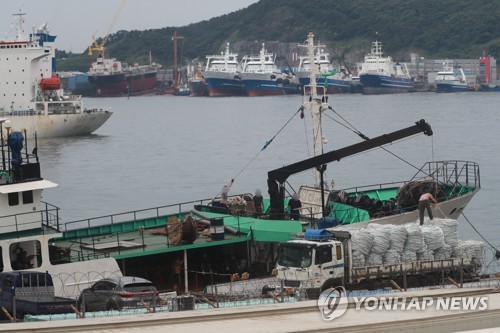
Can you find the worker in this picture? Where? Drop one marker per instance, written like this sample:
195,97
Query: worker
294,205
258,202
425,203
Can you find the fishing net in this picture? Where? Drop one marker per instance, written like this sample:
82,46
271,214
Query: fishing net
362,241
392,257
443,252
450,230
381,238
415,238
358,258
469,249
409,194
433,236
427,254
374,259
409,256
398,238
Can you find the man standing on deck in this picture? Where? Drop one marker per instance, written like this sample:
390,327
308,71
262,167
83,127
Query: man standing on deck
425,203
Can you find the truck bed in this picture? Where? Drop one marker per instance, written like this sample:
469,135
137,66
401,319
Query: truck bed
410,268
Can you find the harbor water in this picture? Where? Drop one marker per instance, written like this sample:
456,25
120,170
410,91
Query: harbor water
161,150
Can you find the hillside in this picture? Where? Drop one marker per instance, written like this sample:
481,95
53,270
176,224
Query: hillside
433,29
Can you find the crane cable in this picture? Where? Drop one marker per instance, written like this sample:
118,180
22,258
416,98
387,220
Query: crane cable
364,137
267,143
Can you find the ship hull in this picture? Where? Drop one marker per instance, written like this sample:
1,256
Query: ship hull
123,83
382,84
330,86
60,125
489,87
198,88
450,87
219,87
270,88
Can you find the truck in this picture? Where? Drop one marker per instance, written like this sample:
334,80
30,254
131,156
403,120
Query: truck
315,264
30,292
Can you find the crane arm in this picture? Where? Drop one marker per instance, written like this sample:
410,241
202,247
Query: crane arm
277,177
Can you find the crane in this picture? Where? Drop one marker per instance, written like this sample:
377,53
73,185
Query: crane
99,47
175,37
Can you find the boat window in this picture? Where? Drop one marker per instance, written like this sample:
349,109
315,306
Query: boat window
13,199
25,255
59,255
27,197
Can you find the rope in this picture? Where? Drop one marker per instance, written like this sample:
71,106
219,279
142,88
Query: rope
364,137
256,155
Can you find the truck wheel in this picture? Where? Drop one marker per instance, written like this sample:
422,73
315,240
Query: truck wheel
331,283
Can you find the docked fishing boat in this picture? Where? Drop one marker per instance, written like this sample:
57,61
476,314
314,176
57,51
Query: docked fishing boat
222,74
329,79
380,75
261,76
111,77
489,87
451,79
185,246
29,227
196,84
32,97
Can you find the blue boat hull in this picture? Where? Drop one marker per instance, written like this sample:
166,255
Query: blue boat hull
224,87
447,87
270,87
488,87
382,84
332,86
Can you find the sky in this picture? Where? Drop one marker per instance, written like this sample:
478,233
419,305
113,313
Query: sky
74,22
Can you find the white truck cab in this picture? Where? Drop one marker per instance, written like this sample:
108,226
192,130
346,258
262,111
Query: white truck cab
310,263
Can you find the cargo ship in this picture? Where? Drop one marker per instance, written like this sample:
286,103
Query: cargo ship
32,96
111,77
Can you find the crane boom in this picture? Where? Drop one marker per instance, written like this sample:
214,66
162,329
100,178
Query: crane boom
100,47
277,177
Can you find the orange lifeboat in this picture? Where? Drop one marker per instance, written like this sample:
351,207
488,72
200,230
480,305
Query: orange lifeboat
50,83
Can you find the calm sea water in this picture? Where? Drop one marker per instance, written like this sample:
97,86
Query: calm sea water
162,150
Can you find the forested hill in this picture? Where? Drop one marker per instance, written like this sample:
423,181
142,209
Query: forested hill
433,29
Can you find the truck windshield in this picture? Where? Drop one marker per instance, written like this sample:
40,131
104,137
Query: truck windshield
294,256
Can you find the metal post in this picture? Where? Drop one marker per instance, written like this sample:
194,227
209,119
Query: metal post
14,310
282,290
186,288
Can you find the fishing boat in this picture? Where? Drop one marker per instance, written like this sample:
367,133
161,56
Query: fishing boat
196,82
185,246
261,76
380,75
489,87
329,79
32,97
222,74
29,226
451,79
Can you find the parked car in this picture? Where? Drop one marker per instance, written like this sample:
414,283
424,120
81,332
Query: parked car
117,293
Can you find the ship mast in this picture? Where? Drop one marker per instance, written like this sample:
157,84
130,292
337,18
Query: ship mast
316,106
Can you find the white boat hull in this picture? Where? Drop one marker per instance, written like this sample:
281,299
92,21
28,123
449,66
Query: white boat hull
451,209
59,125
